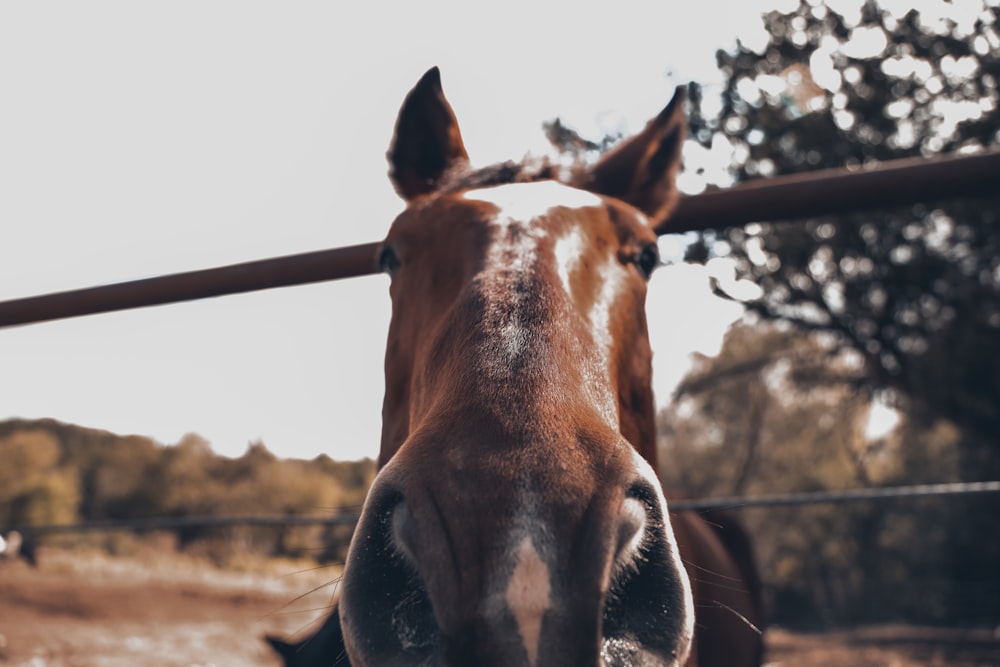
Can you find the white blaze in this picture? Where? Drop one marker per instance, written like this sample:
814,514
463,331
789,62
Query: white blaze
528,596
519,229
525,205
568,250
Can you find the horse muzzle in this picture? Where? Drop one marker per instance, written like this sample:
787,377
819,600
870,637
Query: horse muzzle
516,579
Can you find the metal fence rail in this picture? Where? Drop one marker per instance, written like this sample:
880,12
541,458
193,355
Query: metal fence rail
834,191
788,197
349,516
301,269
838,497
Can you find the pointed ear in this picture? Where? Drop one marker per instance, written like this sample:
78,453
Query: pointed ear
642,170
427,142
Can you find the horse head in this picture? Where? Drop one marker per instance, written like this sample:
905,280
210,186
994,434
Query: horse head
517,518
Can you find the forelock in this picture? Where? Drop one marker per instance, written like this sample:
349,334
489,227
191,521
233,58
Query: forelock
503,173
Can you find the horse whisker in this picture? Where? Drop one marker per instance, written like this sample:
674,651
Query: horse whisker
310,569
292,612
295,599
740,616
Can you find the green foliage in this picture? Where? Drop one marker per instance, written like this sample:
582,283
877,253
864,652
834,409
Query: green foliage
772,414
914,292
33,488
900,304
55,473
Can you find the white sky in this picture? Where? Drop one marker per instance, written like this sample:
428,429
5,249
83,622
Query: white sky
141,138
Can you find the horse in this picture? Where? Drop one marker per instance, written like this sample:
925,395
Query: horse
517,517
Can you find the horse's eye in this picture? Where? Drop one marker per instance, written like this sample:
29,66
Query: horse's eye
388,260
648,259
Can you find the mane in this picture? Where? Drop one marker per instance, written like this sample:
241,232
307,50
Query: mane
502,173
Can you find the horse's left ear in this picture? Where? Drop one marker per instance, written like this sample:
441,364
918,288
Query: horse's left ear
427,143
642,170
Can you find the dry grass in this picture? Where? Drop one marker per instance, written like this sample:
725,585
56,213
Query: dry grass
157,608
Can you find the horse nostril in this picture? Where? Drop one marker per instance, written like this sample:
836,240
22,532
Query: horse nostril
413,622
412,616
385,609
645,616
631,527
401,531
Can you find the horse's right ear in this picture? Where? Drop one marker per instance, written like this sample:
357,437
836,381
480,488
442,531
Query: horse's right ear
427,143
643,170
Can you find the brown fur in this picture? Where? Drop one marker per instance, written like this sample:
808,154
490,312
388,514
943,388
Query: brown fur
517,389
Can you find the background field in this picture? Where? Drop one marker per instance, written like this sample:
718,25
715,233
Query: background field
151,609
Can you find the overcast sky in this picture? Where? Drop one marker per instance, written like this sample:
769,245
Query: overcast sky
138,139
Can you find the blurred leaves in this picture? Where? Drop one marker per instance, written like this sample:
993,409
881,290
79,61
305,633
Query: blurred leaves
771,414
914,292
55,473
899,305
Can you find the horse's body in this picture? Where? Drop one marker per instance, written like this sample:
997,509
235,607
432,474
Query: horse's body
517,518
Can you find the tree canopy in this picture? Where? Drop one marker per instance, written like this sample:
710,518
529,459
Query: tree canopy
899,304
767,415
56,473
914,292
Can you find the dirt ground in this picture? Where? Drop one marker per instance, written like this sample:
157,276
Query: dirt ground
97,611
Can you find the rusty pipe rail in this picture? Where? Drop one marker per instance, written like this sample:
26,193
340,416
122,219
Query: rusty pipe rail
788,197
301,269
833,191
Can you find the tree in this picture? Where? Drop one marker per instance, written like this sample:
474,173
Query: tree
53,472
910,296
914,292
760,418
33,488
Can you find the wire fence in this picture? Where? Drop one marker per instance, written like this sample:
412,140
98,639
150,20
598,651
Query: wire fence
838,497
350,516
